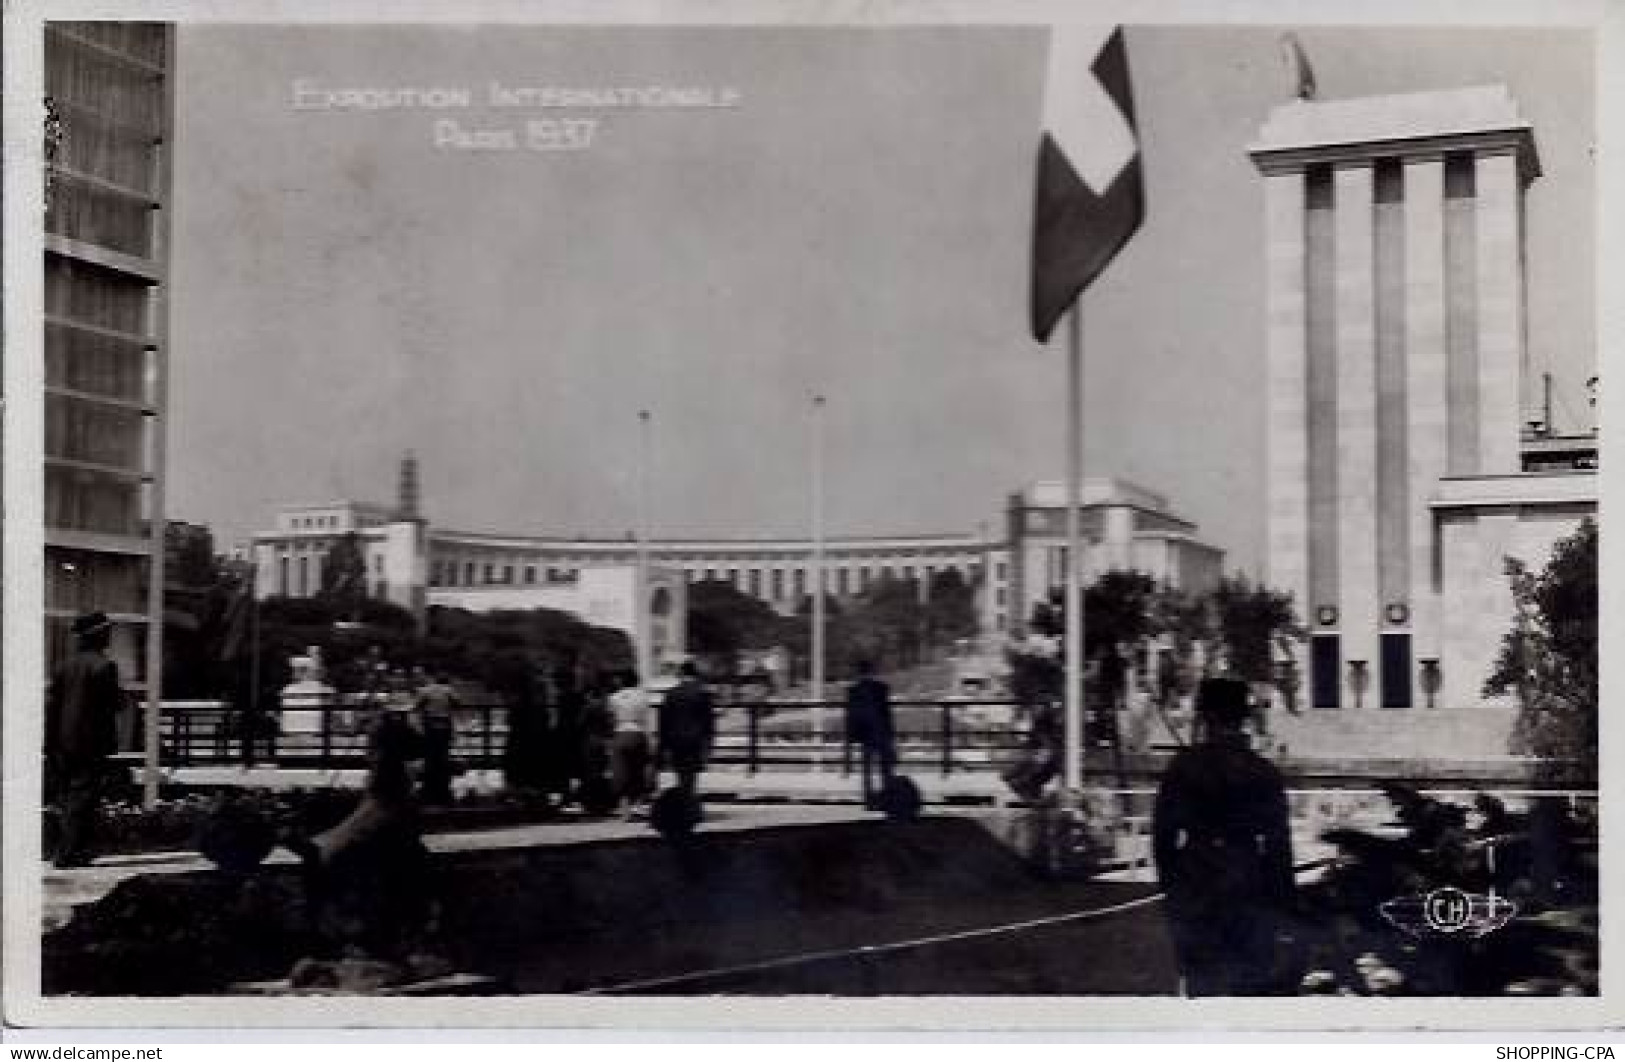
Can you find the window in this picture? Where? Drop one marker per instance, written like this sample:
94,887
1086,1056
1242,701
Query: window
778,584
800,583
468,573
840,581
282,575
304,576
1396,670
507,573
530,573
1325,682
490,573
753,580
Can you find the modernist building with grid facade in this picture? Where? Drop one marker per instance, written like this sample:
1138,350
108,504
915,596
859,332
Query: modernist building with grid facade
1400,472
110,100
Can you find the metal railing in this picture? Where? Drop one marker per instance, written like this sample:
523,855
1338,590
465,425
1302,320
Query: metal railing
942,736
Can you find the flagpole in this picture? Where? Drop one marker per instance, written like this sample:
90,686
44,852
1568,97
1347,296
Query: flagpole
1073,660
640,622
817,640
253,724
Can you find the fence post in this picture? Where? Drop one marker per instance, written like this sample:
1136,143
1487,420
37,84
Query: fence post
753,713
485,734
327,734
947,738
846,748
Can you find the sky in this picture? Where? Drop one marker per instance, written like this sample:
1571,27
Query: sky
856,224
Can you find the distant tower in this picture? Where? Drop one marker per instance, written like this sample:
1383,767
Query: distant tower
407,496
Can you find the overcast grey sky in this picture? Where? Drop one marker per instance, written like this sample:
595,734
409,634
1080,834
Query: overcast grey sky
858,225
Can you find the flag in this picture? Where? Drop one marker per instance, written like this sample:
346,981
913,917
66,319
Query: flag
1305,74
1089,198
236,620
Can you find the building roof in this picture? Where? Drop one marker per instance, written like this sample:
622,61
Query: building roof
794,546
1101,490
1302,128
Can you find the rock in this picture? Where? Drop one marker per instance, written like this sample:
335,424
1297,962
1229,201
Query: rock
1318,983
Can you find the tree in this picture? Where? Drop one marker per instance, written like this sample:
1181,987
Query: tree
189,558
197,596
950,608
1548,660
1255,625
1117,607
888,622
344,575
724,622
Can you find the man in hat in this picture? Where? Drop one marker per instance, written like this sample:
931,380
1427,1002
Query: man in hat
1223,849
869,724
81,732
687,725
437,707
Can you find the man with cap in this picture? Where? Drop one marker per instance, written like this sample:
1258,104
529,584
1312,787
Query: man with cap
869,724
688,724
1222,843
81,732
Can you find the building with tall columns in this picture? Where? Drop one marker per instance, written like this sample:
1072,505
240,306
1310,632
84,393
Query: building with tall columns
1396,347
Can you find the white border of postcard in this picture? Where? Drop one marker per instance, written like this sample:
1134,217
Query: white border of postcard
22,583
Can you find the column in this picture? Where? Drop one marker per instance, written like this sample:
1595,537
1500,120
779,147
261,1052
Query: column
1287,561
1356,423
1500,311
1118,538
1427,409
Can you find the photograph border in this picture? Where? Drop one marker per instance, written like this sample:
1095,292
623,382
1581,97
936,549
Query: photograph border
24,1005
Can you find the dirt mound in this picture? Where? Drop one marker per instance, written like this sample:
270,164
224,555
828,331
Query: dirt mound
178,934
567,916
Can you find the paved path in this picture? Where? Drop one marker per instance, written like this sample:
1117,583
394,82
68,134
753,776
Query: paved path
64,890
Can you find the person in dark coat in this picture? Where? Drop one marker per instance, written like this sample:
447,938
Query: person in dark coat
566,739
1222,843
687,726
869,726
525,763
437,707
81,732
367,879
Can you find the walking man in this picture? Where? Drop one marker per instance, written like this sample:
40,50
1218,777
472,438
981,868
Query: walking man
869,725
81,719
1223,848
629,758
437,711
687,726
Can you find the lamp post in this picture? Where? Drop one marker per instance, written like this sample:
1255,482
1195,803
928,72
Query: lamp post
816,641
640,622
